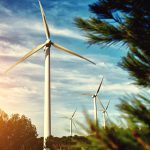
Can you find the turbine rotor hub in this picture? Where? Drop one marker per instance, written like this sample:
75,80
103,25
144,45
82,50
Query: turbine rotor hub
93,96
48,43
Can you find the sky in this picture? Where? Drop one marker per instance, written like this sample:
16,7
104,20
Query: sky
22,90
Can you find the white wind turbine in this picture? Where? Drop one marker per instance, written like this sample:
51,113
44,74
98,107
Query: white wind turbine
104,111
94,101
46,45
71,122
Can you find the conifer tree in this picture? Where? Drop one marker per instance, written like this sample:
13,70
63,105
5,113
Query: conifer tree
125,22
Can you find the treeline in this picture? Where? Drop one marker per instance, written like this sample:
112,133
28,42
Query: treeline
18,133
66,142
113,21
132,134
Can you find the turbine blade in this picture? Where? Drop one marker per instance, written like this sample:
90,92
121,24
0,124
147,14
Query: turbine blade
26,56
70,52
100,103
44,21
64,117
74,124
99,86
107,105
86,94
107,114
74,113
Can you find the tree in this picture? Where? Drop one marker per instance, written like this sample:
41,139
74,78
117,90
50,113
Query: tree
134,135
125,22
3,129
65,143
21,131
17,132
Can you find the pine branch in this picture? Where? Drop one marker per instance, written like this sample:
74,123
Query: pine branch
130,26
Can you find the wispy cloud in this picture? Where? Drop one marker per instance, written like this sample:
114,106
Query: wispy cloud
22,90
22,24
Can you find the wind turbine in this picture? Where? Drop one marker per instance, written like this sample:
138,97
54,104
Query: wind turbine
94,101
71,122
46,45
104,111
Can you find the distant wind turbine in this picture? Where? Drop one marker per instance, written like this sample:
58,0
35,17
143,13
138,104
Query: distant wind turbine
46,45
94,101
104,111
71,122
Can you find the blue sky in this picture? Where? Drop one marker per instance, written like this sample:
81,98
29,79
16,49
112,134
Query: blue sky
22,90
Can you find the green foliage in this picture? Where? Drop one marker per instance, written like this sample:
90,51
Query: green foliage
65,143
115,21
17,132
133,137
127,23
137,109
138,65
124,22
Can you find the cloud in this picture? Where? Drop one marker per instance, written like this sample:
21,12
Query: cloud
22,24
70,78
22,91
6,11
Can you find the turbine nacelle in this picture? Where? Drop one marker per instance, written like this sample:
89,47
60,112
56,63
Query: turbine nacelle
96,94
103,111
93,96
46,45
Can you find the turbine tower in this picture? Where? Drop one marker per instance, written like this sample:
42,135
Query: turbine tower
104,111
95,101
46,45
